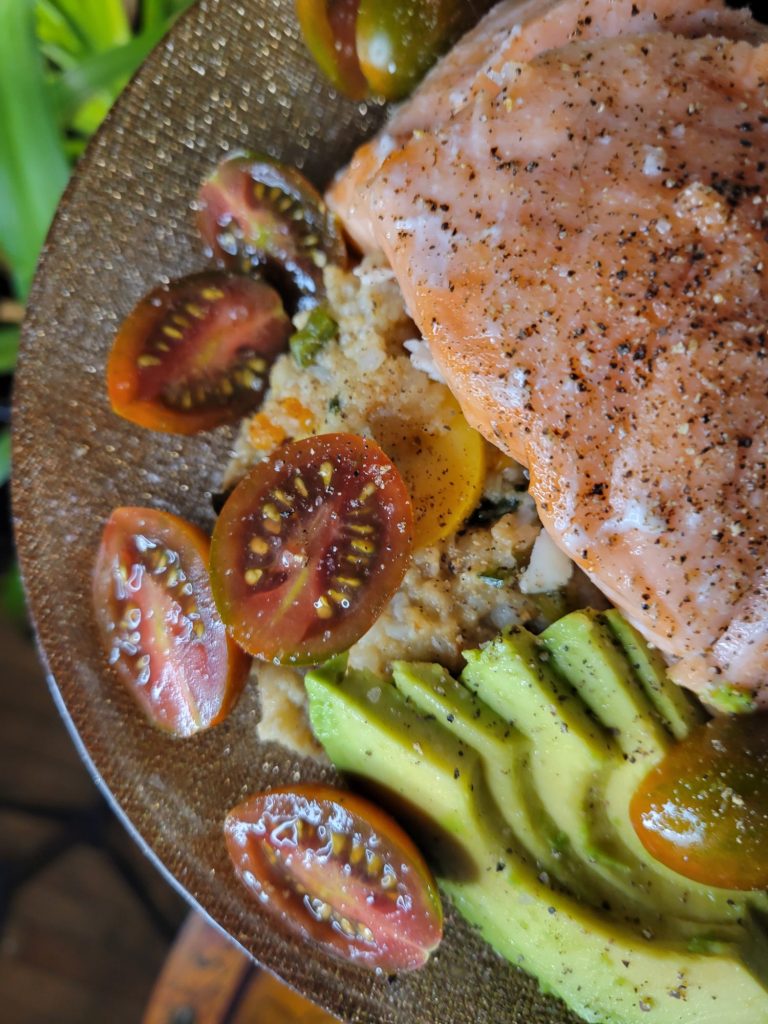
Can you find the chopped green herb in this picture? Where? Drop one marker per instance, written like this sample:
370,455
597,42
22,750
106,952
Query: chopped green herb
319,329
496,577
334,405
489,511
707,945
561,843
730,699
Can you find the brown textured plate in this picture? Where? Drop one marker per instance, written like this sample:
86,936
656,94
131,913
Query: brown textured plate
232,74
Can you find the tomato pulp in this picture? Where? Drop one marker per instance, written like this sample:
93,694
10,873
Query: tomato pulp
197,353
258,214
162,633
310,546
339,871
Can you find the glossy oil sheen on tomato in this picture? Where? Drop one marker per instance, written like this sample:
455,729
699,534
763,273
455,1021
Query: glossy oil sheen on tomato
704,810
310,546
338,871
160,629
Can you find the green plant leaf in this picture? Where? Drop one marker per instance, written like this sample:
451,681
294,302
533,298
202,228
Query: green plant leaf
97,24
100,72
9,347
60,37
5,456
12,601
159,12
33,165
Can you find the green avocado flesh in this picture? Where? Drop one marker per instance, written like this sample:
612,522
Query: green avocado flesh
517,778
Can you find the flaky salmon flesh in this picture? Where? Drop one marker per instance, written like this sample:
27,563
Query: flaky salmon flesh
574,204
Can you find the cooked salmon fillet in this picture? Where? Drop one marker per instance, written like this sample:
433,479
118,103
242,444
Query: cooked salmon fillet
584,244
512,31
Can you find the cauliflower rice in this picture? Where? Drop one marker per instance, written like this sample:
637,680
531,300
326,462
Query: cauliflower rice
459,592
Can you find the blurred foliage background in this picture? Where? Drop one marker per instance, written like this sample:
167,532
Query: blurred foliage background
62,65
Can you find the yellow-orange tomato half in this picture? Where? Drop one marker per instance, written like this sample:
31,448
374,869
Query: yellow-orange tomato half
443,465
703,811
338,871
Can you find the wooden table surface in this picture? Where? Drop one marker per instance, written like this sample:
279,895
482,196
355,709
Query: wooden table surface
85,921
89,931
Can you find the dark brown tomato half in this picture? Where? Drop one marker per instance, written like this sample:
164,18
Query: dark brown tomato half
197,353
158,622
257,213
339,872
309,548
328,27
703,811
398,41
383,47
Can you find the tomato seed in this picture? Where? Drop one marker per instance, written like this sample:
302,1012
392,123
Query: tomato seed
364,547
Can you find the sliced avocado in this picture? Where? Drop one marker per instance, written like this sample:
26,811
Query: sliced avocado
523,771
505,753
341,714
678,712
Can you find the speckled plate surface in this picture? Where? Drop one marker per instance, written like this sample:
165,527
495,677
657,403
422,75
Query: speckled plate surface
231,75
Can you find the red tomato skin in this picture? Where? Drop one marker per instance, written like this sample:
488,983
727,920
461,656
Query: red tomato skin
280,853
256,313
194,681
281,622
703,810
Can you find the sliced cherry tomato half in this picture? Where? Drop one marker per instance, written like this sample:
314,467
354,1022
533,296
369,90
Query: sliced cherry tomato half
398,41
257,213
703,811
309,548
197,353
328,27
442,461
383,47
158,622
337,870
